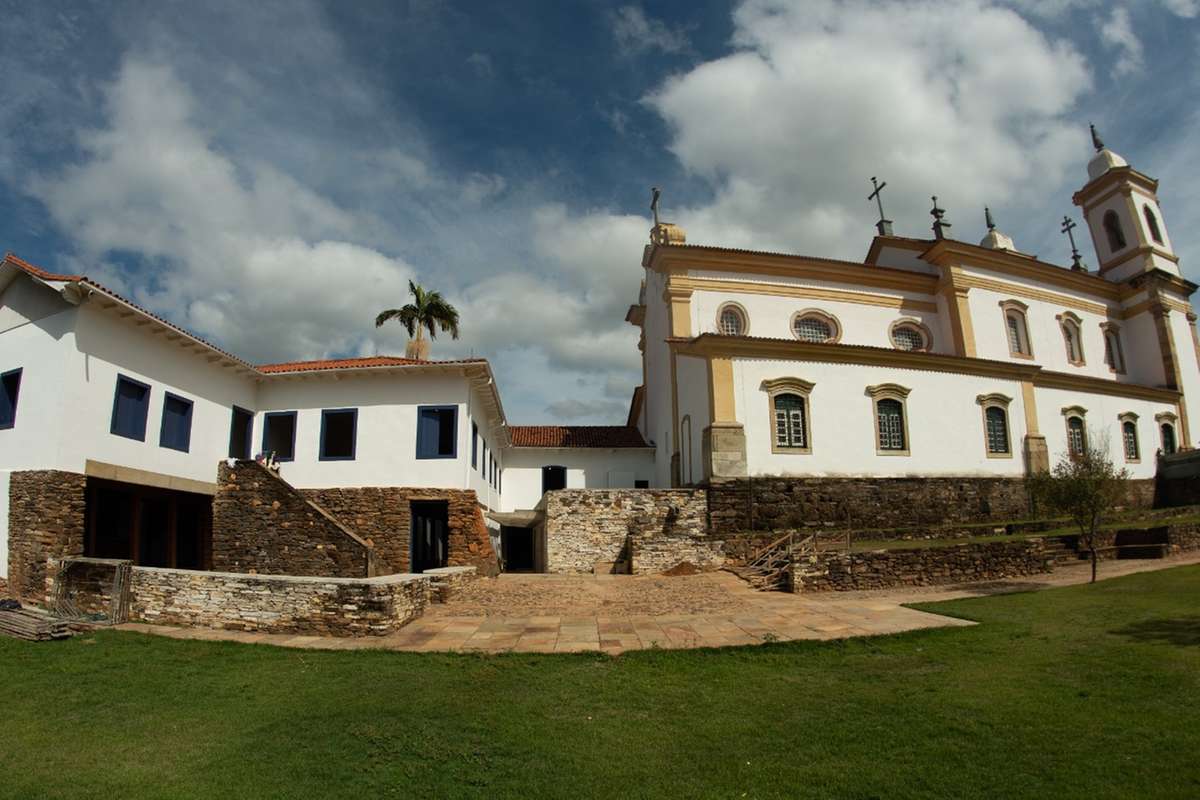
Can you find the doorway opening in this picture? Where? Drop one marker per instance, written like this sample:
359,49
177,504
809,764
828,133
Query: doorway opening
152,527
430,534
516,545
553,478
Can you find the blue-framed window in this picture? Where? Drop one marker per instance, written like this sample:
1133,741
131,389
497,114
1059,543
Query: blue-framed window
437,431
474,446
10,387
176,430
339,431
241,429
131,406
279,435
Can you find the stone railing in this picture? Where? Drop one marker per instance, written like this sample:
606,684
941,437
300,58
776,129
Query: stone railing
920,566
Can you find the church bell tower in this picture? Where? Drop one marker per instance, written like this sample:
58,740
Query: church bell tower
1121,207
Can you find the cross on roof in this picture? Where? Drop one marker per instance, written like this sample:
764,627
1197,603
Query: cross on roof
1068,227
654,195
884,225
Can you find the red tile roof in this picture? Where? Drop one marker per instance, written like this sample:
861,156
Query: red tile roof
576,436
356,363
38,272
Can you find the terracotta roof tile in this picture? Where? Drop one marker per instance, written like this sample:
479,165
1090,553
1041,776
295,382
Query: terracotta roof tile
576,436
356,363
36,271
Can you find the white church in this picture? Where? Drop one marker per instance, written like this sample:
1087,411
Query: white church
929,358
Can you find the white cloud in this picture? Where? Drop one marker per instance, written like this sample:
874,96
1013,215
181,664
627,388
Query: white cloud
962,100
241,247
1117,33
635,32
572,410
479,187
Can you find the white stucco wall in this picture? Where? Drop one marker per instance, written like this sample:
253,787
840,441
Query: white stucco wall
587,468
945,423
659,403
1101,419
38,337
1189,370
771,315
693,416
106,346
386,448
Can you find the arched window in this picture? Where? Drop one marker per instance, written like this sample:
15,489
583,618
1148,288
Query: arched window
731,320
910,334
1114,354
995,424
1076,437
1112,227
1015,328
1152,223
891,423
1072,337
1129,438
812,325
1167,431
790,426
789,408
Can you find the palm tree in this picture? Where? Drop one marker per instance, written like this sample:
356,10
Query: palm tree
428,312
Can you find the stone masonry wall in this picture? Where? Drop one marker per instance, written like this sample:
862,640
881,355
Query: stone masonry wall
383,517
277,603
261,524
585,527
46,521
881,569
872,503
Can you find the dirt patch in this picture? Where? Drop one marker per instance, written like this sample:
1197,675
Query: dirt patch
603,595
4,588
682,568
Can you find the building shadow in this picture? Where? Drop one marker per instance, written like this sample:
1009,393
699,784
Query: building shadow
1182,631
998,587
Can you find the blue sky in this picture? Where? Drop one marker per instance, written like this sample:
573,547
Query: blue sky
271,174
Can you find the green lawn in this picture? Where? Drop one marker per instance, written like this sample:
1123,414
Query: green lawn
1087,692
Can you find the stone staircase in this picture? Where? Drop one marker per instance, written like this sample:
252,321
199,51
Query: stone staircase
1062,549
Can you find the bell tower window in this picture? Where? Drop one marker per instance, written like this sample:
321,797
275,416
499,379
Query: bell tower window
1112,227
1152,223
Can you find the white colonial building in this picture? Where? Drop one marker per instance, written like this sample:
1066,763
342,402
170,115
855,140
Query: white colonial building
928,358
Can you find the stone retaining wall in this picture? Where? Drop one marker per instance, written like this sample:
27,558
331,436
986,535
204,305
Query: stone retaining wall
932,566
262,524
278,603
46,521
658,528
383,517
869,503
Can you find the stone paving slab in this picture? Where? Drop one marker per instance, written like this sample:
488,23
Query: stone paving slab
749,617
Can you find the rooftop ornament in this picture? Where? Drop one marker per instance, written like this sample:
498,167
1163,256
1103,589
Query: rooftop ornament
884,225
939,224
663,233
1068,227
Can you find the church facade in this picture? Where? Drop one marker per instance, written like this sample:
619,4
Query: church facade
929,358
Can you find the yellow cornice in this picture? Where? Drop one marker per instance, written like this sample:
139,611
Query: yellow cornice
726,347
898,242
951,253
1088,194
1144,251
680,259
806,292
1020,290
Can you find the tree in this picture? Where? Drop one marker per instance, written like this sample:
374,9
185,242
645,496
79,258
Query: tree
428,312
1085,487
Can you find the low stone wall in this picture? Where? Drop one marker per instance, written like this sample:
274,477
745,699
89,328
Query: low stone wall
46,521
278,603
262,524
875,503
383,517
931,566
445,582
585,527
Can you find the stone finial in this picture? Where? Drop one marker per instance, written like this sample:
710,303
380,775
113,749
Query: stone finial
1096,142
667,233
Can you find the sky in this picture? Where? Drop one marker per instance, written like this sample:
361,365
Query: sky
270,175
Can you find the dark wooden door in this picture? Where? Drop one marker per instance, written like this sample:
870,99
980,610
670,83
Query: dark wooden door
430,535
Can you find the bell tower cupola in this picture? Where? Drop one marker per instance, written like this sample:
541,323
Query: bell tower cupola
1121,207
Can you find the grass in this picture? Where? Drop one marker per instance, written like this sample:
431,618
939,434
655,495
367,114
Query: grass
1084,692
